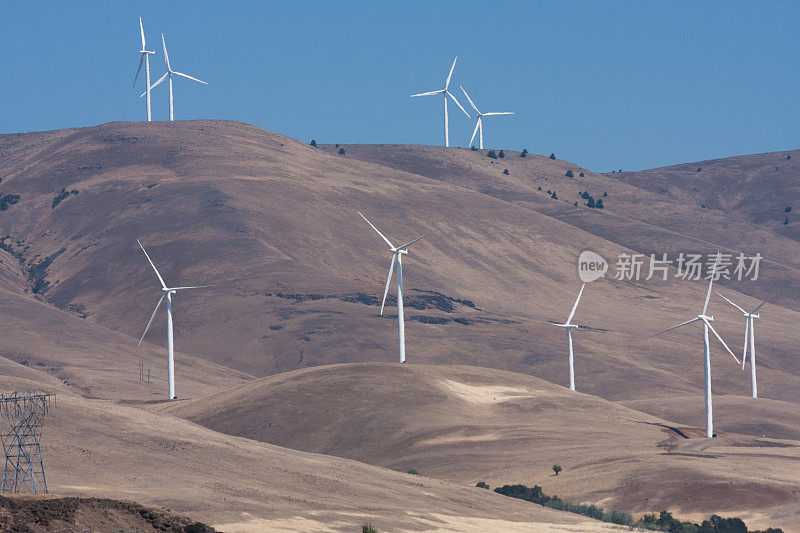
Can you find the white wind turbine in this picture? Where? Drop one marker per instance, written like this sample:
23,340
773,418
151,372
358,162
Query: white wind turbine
397,254
445,93
145,58
166,292
169,75
569,326
479,116
706,352
749,336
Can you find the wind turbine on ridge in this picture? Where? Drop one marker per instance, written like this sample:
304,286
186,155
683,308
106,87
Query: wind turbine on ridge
706,320
166,292
749,335
479,116
145,58
445,93
397,254
169,75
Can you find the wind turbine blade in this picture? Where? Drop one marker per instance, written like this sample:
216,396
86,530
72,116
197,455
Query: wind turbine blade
187,76
162,78
376,229
499,113
746,339
758,307
574,307
141,29
430,93
388,281
152,317
730,302
477,125
469,99
141,61
710,283
695,319
192,287
448,93
163,285
166,55
409,243
720,339
447,83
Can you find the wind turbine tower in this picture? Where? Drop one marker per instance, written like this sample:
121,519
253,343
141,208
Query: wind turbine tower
397,254
749,336
166,292
445,93
145,58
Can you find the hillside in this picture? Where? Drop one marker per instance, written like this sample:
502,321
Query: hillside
272,222
97,448
470,424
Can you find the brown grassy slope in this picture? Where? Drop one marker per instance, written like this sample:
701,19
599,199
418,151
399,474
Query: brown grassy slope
263,215
102,449
669,210
470,424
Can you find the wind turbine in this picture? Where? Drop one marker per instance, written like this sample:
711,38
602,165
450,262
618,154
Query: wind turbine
397,254
749,335
445,93
706,352
145,58
166,292
169,75
569,326
479,116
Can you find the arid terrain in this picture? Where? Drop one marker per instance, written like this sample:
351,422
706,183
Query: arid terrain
292,412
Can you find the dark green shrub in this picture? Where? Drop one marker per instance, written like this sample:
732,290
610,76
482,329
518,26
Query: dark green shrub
491,154
341,151
785,221
699,169
473,149
482,485
198,527
552,156
8,200
605,194
524,152
505,172
369,528
539,189
576,204
412,471
599,204
557,469
788,156
581,174
618,517
553,196
501,154
569,174
788,209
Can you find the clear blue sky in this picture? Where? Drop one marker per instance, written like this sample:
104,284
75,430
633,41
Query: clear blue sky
616,85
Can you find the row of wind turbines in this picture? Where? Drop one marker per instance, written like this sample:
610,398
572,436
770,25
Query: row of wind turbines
145,59
397,264
478,115
569,326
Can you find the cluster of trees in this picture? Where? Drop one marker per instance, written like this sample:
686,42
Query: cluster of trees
591,202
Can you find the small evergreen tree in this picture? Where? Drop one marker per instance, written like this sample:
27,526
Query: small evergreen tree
491,154
501,154
505,172
788,209
482,485
341,151
524,152
599,204
581,174
552,156
786,221
557,469
569,174
313,143
553,196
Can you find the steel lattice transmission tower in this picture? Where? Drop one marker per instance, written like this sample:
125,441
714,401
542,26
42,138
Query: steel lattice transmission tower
22,416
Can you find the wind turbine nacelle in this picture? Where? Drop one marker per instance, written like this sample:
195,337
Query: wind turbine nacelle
704,317
403,251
